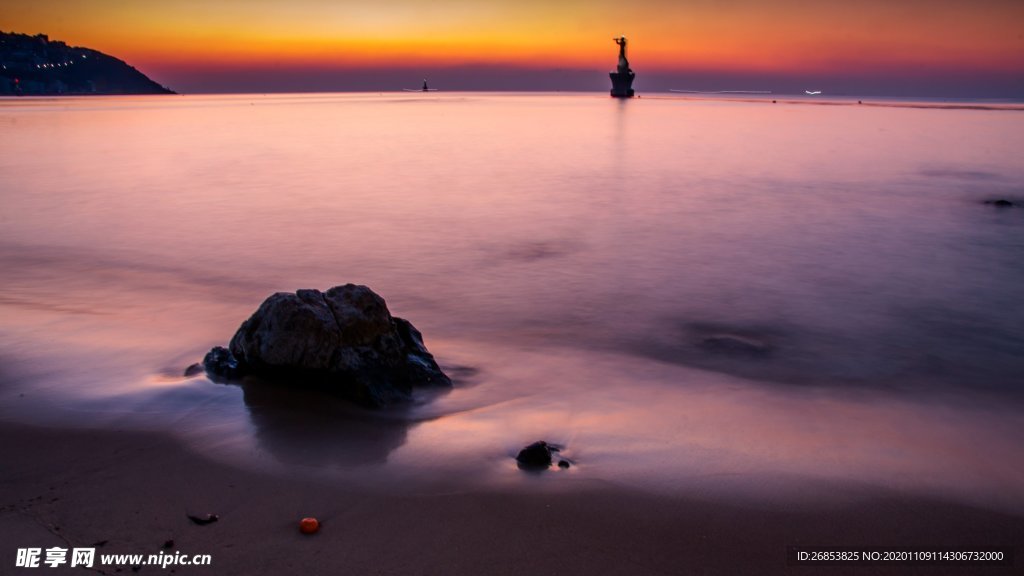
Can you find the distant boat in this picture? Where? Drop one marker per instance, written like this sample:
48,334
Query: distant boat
813,93
424,89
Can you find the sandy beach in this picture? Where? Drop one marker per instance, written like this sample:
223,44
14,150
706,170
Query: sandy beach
134,491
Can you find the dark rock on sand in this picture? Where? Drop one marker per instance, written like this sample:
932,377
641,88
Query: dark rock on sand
1001,203
343,340
536,456
204,520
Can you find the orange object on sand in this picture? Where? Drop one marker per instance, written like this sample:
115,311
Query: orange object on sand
309,525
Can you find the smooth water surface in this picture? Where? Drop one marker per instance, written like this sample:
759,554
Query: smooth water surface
687,294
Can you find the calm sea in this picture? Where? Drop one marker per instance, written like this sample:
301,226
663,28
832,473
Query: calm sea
688,294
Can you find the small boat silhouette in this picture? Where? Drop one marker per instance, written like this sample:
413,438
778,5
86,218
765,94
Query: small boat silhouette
425,88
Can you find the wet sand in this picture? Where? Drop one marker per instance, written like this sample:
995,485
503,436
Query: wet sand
135,490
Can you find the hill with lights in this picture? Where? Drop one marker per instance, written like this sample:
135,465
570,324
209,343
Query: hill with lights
38,66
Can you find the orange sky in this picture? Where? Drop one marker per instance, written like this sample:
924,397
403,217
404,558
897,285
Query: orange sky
783,36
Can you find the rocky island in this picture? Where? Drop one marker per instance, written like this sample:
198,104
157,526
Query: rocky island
38,66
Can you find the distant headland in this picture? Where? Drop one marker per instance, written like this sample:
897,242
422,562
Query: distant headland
38,66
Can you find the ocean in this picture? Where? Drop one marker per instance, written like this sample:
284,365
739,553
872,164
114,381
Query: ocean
721,296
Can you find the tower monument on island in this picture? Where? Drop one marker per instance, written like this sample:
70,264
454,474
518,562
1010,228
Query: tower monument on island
622,78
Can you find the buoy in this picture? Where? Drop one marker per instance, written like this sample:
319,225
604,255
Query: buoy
309,525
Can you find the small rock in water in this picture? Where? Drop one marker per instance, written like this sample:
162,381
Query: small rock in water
536,456
563,464
1000,203
733,344
221,362
168,544
194,369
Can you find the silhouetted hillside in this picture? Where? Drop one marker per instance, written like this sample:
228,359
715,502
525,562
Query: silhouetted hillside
35,65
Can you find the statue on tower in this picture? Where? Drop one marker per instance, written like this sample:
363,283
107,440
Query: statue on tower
622,78
623,63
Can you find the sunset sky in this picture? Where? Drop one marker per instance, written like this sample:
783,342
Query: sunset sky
899,47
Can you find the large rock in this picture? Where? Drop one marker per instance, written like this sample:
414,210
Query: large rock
343,340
